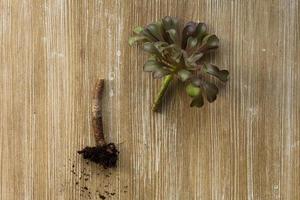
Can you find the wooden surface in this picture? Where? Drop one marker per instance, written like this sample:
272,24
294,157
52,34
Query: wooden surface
246,145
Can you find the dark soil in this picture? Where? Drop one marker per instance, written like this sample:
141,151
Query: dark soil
102,197
106,155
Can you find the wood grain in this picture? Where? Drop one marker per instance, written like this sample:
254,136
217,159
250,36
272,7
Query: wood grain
246,145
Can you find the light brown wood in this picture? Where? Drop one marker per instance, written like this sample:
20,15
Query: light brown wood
246,145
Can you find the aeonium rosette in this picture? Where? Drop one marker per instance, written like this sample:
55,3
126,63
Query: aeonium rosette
178,53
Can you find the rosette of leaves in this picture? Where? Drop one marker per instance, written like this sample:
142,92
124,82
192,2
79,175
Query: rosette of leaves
176,53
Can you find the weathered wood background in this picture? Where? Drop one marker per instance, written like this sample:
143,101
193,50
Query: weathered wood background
246,145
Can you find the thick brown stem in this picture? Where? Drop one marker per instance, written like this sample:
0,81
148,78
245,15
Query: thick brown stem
103,154
97,113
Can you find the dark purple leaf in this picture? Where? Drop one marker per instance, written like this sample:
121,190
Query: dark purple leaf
188,30
197,102
209,42
215,71
210,89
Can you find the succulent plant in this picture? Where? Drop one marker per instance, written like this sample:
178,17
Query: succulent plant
177,53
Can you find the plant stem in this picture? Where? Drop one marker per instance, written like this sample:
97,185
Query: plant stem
167,80
97,113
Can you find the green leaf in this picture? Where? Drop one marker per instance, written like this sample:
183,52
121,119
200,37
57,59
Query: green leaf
160,73
173,35
152,65
148,35
194,58
192,90
161,46
191,42
158,69
201,31
170,23
184,74
150,48
167,22
196,93
197,101
135,39
155,30
215,71
138,29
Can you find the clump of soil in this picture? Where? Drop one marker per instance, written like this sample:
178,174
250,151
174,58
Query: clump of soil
105,155
101,196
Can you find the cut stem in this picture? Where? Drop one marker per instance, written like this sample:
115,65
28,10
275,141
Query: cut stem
97,122
157,102
103,153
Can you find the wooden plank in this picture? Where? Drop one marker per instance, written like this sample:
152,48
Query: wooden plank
246,145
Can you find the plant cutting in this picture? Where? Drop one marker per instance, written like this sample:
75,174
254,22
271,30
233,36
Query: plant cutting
105,154
177,53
